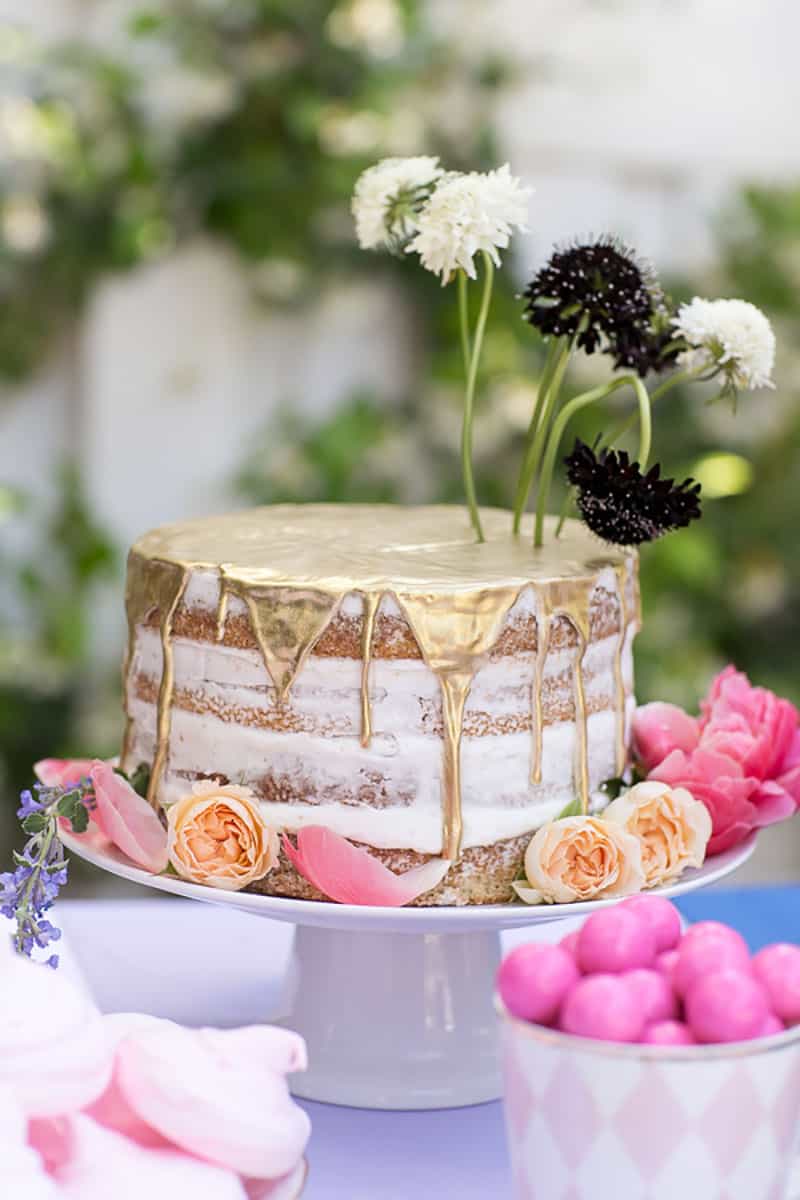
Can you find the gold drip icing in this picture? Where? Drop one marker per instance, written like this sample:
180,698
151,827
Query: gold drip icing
619,679
371,602
155,585
292,566
571,598
455,632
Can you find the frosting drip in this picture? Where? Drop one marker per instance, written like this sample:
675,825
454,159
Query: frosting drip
292,566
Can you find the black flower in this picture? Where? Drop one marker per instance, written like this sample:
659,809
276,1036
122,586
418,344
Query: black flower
654,351
622,505
593,290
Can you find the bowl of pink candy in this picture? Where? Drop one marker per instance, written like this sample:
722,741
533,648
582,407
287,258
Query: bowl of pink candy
647,1061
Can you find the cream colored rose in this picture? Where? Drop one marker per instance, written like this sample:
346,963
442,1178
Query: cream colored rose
672,826
217,836
581,858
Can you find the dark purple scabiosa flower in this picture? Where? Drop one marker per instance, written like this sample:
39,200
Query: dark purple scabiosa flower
597,292
624,506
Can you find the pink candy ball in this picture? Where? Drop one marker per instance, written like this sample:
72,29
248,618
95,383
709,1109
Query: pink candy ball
726,1006
602,1007
666,964
777,968
534,979
668,1033
653,993
570,943
709,947
662,917
771,1026
615,940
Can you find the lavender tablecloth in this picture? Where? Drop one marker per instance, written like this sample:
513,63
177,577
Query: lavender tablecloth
207,966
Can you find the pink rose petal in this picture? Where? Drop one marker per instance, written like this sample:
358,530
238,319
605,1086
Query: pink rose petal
350,875
53,1139
106,1166
58,772
217,1095
128,819
658,729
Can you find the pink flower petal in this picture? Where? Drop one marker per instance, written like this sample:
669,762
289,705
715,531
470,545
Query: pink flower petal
58,772
773,803
128,819
350,875
53,1139
217,1095
106,1166
658,729
54,1052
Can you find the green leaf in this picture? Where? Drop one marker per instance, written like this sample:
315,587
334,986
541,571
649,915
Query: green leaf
613,787
35,822
140,779
68,802
79,819
573,809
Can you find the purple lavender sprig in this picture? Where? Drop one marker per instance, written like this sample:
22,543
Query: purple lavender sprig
30,890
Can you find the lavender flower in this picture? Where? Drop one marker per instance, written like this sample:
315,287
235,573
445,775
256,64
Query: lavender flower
40,871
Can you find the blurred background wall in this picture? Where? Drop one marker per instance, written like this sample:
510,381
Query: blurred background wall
186,325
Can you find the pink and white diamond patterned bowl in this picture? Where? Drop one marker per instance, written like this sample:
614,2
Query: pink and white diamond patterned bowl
589,1119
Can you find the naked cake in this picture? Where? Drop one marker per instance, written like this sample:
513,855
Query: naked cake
375,670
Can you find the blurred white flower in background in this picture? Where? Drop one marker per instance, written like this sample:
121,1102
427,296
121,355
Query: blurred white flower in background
732,334
344,133
24,224
467,214
180,97
374,26
387,197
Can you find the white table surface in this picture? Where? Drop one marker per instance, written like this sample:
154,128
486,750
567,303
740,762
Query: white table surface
202,965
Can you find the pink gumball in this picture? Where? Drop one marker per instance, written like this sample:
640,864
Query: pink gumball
668,1033
726,1006
534,979
570,944
666,964
777,968
615,940
653,993
662,917
709,947
602,1007
771,1026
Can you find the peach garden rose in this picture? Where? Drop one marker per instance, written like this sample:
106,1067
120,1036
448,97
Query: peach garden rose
581,858
673,828
218,837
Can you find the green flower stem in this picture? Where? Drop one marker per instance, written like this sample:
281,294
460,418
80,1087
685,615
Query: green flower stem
469,396
463,320
545,381
661,390
562,420
533,453
23,909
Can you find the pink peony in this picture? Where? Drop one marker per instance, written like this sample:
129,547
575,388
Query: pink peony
745,767
658,729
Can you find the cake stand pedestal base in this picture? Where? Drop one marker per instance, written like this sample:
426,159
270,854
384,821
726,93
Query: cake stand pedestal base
395,1020
396,1003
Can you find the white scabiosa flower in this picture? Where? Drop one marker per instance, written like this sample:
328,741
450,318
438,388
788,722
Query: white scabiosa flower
388,197
467,214
731,334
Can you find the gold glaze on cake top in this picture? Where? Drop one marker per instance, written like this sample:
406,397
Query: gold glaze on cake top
293,564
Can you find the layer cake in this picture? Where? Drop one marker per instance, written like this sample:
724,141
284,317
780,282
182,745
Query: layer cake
373,669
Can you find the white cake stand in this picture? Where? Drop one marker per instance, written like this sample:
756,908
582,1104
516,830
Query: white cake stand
395,1004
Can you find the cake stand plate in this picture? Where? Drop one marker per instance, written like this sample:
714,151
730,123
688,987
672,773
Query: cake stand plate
395,1005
